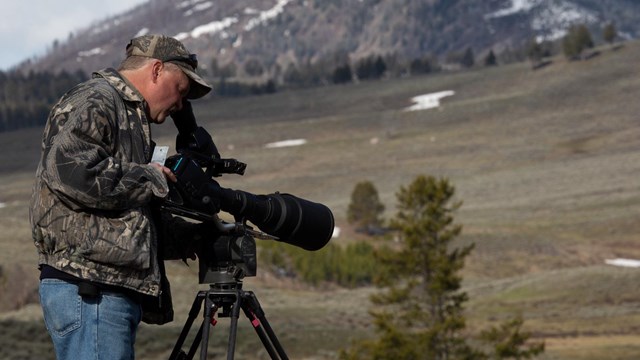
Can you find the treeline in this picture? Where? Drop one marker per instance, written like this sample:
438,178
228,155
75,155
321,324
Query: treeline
226,88
25,100
252,76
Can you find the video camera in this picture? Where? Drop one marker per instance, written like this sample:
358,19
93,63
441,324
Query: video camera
196,195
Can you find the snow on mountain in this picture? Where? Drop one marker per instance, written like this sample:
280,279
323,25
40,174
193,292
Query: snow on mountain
267,15
516,6
211,28
215,27
550,19
553,20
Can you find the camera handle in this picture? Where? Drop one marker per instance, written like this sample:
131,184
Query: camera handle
229,298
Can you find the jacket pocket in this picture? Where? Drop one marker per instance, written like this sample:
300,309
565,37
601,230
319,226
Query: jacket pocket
122,240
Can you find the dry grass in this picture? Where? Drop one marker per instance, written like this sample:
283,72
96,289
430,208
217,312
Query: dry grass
545,161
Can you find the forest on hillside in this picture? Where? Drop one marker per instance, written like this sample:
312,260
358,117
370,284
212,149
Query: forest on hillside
25,100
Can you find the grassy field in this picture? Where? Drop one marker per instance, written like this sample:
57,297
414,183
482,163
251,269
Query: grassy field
546,163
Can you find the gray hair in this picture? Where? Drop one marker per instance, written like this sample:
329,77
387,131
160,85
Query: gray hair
136,62
133,63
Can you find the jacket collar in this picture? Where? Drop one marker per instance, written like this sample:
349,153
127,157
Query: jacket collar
126,90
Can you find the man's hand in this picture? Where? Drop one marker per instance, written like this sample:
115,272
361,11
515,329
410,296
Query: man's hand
166,171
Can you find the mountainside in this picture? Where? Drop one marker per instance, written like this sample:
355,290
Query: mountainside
277,33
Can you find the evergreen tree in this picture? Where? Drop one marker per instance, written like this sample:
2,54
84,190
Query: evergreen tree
379,67
420,66
534,52
342,74
490,59
509,341
577,40
370,68
420,313
365,208
468,58
609,33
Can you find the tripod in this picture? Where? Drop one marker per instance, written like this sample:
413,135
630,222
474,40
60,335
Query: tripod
230,298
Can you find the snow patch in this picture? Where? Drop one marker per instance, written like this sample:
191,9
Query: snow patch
187,3
142,32
92,52
516,6
428,101
198,7
3,205
266,15
210,28
250,11
286,143
623,262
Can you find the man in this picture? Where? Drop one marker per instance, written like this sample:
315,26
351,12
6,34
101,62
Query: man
99,239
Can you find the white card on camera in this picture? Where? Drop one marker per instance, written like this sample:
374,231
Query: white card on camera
160,154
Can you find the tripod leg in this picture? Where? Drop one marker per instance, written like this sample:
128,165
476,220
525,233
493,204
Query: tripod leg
254,312
196,342
209,312
233,327
177,352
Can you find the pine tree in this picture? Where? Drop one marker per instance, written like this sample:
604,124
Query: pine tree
609,33
577,40
468,59
490,59
420,312
365,208
534,52
342,74
510,342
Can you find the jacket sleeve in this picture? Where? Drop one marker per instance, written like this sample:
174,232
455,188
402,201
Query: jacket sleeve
80,163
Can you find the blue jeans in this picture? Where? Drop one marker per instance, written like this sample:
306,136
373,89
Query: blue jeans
102,327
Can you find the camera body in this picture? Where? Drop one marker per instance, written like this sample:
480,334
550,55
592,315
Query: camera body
281,217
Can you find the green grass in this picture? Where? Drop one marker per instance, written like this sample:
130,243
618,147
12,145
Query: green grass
546,163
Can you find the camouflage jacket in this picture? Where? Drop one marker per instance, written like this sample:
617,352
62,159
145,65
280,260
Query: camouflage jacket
90,209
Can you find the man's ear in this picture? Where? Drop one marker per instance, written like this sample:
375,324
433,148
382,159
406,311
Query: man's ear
156,69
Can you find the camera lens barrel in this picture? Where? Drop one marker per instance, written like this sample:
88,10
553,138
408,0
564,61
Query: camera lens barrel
295,221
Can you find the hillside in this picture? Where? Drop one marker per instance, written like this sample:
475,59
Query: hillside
282,34
546,163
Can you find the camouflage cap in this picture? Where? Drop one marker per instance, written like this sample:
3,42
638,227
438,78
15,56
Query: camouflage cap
168,49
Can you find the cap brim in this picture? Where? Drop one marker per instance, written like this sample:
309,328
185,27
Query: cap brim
199,87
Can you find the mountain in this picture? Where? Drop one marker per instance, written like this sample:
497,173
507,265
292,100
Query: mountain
272,34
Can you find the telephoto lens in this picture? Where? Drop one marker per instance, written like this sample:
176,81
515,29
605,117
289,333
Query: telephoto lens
293,220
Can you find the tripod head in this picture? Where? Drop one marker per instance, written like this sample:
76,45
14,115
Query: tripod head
230,256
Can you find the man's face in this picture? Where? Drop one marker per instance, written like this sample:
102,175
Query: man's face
169,90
